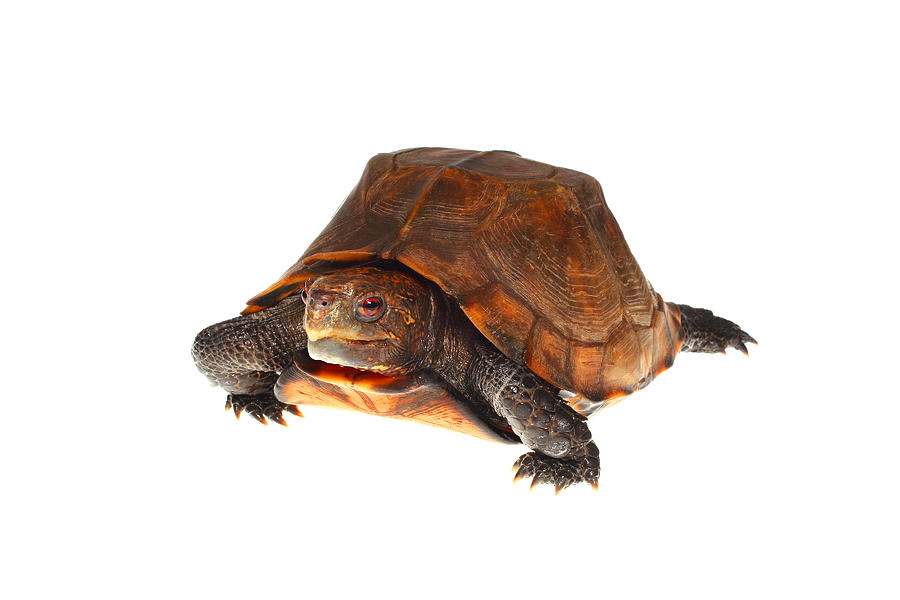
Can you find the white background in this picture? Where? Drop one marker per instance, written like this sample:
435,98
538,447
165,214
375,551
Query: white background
161,162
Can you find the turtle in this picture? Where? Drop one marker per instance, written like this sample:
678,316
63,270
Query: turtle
476,291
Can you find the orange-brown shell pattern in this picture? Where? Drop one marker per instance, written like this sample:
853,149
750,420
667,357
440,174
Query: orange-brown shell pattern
531,252
430,402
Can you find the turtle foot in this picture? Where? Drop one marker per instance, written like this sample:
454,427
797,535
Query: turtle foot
705,332
262,407
560,472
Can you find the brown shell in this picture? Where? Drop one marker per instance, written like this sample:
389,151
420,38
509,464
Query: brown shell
530,251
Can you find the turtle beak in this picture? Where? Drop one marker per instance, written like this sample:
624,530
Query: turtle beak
331,350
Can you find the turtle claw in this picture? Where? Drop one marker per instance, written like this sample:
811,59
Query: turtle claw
292,408
539,478
277,418
262,407
735,338
743,336
260,418
274,414
561,473
520,473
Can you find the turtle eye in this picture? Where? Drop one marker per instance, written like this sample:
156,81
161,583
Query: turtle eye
370,308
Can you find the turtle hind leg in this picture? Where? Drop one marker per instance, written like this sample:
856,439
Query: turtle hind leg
702,331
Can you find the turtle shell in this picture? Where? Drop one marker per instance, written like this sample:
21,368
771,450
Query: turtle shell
422,398
531,253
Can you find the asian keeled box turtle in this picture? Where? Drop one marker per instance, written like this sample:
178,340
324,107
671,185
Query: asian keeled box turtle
477,291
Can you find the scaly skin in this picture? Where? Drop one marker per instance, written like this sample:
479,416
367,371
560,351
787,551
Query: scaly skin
704,332
564,453
244,356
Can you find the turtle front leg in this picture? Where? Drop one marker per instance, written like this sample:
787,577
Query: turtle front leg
244,356
263,407
563,450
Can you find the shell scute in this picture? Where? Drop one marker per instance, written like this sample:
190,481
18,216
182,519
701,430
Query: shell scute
547,351
507,320
586,364
622,361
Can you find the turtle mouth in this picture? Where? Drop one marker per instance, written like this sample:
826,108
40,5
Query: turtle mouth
344,336
346,352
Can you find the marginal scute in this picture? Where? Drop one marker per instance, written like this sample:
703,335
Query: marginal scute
586,364
646,346
271,296
622,362
547,350
347,257
670,332
456,275
506,320
530,251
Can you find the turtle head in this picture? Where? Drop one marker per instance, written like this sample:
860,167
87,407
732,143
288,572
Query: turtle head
369,318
